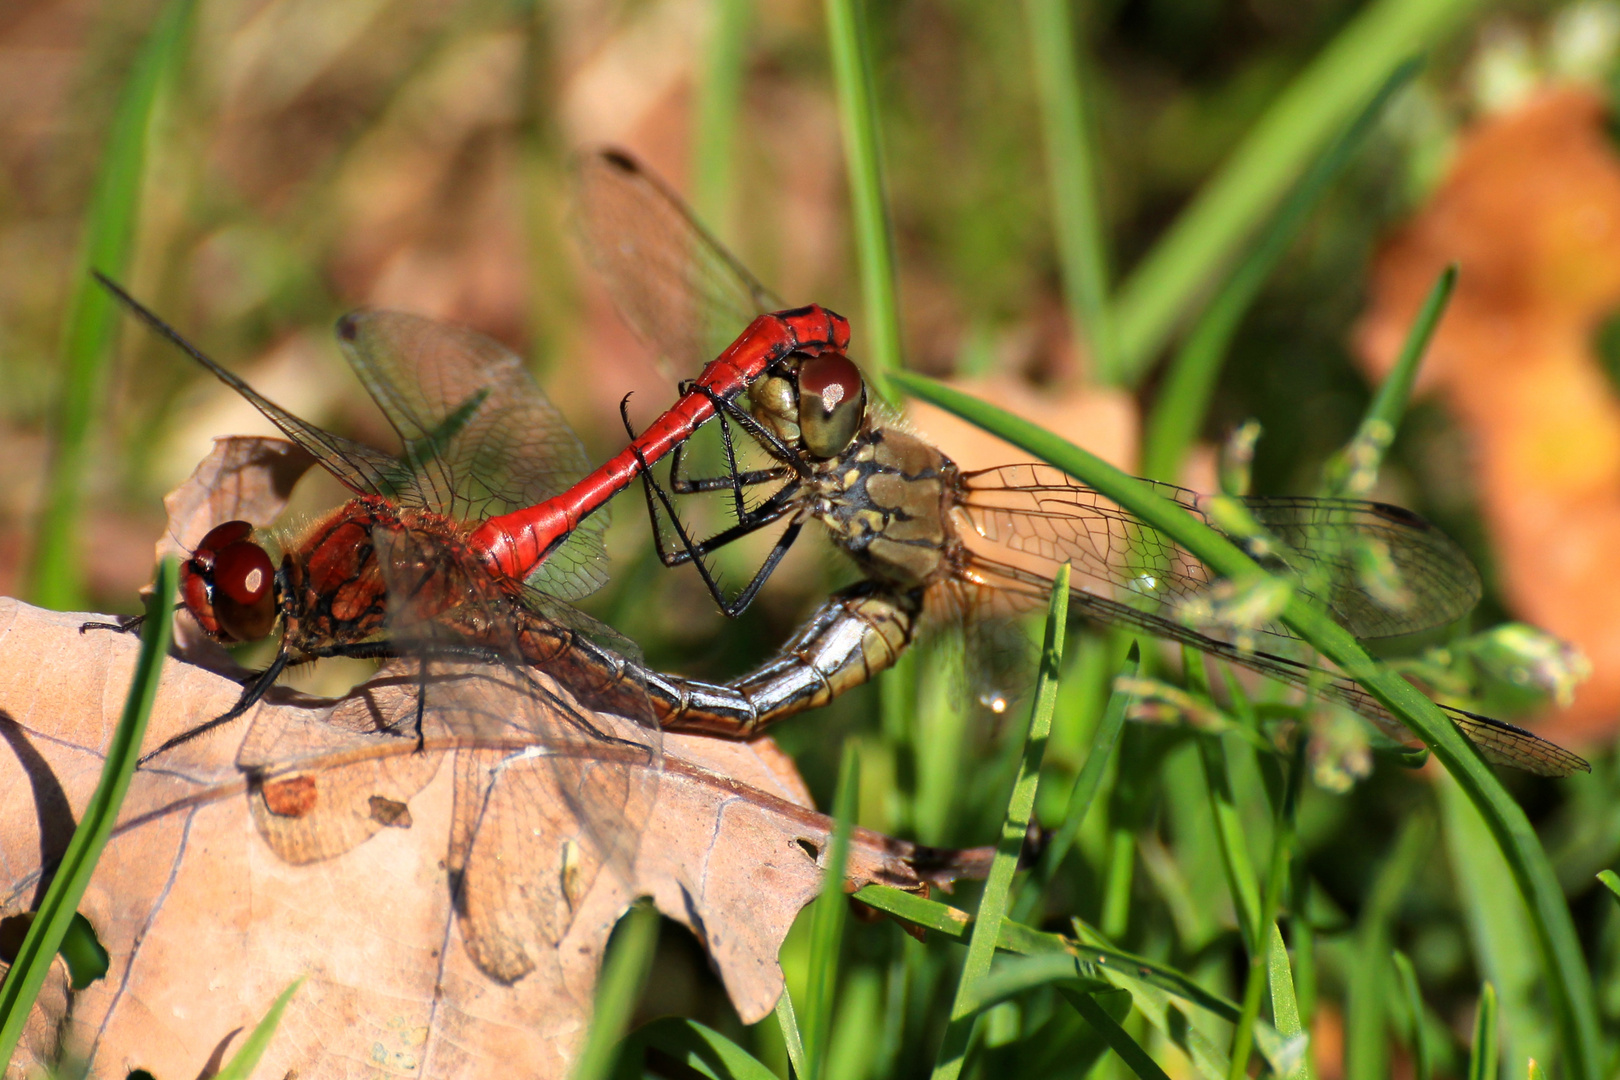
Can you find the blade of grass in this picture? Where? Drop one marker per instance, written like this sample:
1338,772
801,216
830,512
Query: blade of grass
1282,850
1285,1009
827,920
1228,820
1014,829
1568,982
1422,1065
849,1052
1482,1061
719,97
72,876
1497,926
1353,470
791,1038
624,973
1202,242
1103,741
1178,411
1071,169
1366,1050
699,1048
1611,881
874,239
87,330
1150,983
246,1058
1128,1049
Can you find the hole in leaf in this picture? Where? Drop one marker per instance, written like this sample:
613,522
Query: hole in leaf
81,949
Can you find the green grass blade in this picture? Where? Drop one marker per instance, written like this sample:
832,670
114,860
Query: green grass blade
1071,169
61,901
1353,470
1128,1049
624,973
1014,828
719,99
55,575
1234,848
1366,1053
1202,243
1103,741
1564,971
874,238
1117,880
1611,881
1282,850
1178,412
1482,1061
855,1034
1025,941
791,1038
246,1058
699,1048
1285,1009
1422,1064
1498,926
827,920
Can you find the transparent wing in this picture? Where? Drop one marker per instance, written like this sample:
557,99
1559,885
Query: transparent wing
1046,518
672,281
358,467
479,436
1500,743
558,757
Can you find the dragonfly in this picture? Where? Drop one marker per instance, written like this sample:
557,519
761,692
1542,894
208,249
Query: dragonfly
560,719
932,540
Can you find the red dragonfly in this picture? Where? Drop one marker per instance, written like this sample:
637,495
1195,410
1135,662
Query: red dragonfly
560,720
931,539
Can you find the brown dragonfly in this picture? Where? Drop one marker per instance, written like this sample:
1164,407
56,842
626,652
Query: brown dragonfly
933,540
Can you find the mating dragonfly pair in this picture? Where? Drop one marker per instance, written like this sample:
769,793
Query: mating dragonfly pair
467,548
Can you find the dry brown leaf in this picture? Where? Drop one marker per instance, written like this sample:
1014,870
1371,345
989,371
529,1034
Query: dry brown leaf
219,890
1531,214
322,839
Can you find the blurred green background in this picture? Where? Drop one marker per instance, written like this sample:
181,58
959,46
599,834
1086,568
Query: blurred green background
252,171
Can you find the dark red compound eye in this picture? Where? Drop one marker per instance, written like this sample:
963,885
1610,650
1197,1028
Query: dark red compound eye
832,403
228,584
243,572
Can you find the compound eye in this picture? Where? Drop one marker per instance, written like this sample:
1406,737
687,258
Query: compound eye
243,572
832,403
228,583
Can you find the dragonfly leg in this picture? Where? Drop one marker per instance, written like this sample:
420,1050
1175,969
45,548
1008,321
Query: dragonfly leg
774,509
255,689
125,624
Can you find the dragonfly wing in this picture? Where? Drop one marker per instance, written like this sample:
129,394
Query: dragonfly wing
1047,518
479,436
1499,742
358,467
553,790
671,280
1337,541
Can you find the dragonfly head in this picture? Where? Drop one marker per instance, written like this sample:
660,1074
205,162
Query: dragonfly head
818,405
229,585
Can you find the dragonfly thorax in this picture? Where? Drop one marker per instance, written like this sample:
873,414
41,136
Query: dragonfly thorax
886,501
